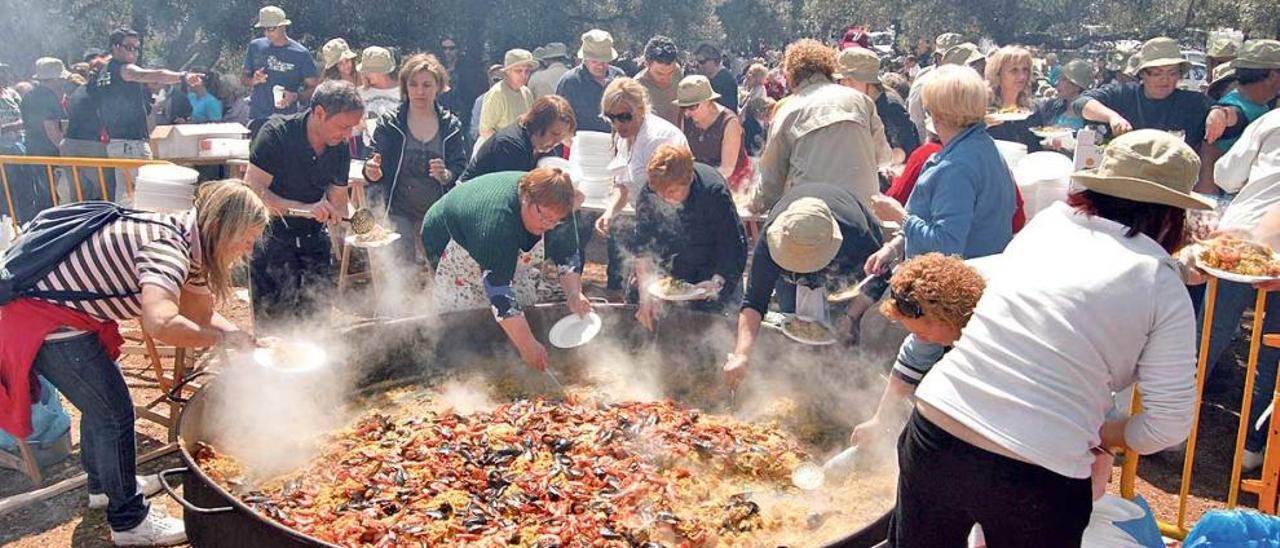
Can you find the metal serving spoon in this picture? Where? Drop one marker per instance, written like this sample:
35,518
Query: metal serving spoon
362,221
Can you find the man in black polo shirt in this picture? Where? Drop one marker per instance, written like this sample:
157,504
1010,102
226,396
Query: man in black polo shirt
299,163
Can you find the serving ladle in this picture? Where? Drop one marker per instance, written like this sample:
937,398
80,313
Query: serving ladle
362,221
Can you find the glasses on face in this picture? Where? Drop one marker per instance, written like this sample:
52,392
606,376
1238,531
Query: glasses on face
907,305
130,47
271,29
549,222
619,117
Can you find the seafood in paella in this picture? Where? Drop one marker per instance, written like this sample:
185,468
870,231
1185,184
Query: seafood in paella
1239,256
578,472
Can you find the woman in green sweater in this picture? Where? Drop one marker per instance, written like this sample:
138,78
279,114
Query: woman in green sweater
478,238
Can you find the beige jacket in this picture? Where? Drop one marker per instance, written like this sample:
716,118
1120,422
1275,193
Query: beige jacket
822,133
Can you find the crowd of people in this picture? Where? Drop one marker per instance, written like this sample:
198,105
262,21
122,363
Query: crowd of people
1022,330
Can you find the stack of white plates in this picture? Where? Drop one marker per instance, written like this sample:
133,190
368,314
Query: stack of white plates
590,154
165,187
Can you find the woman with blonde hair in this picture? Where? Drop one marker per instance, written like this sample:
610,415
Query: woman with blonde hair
1009,76
165,270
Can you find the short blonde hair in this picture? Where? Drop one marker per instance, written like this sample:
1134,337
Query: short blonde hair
757,70
625,90
1005,57
225,211
956,96
549,188
670,166
422,62
946,288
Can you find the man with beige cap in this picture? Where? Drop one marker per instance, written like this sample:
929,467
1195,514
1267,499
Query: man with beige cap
1222,49
509,99
941,44
583,85
817,237
859,69
543,82
1155,102
1076,78
42,111
381,92
1257,76
276,61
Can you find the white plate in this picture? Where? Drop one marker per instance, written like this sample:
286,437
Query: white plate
354,241
785,331
1010,116
694,294
574,330
1223,274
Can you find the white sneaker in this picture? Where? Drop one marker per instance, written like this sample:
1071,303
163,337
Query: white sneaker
147,485
158,529
1251,461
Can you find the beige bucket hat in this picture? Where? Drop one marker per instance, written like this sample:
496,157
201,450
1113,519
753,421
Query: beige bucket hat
859,64
50,68
946,41
805,237
693,90
597,45
555,50
1259,54
1147,165
964,54
335,51
376,60
1078,72
1161,52
271,16
1222,47
518,58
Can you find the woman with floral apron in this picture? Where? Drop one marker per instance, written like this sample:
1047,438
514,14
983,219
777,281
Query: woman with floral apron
480,240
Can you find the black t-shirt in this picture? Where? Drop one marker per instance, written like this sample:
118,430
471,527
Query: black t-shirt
858,226
281,149
508,149
724,84
83,122
121,105
1182,111
39,106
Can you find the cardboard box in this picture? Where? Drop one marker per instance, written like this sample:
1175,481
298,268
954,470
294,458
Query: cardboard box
183,141
219,147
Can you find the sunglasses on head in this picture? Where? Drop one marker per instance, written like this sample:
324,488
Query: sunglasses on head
623,117
907,305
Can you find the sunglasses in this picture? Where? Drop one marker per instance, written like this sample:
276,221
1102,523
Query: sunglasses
130,47
623,117
907,305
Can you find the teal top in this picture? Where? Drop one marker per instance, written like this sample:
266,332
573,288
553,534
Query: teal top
483,216
1252,111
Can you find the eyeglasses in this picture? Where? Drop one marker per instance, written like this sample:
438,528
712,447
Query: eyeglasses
129,47
271,29
906,304
542,217
623,117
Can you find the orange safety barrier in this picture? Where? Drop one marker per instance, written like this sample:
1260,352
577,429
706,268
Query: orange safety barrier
1266,486
74,166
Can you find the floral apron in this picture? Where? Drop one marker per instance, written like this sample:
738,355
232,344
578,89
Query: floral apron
459,285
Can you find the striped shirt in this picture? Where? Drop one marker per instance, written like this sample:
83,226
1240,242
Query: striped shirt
126,254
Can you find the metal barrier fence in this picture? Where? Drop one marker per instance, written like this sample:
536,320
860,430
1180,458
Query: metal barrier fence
51,166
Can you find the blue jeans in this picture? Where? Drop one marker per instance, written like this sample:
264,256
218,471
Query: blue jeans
1233,299
81,369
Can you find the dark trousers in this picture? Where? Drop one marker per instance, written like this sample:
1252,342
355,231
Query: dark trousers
80,368
618,271
946,485
292,275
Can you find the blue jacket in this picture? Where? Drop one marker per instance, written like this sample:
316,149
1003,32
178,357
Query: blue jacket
964,201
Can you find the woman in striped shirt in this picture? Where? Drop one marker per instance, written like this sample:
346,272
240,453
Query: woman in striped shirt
165,270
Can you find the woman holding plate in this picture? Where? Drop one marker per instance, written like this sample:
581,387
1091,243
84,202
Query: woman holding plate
687,226
1008,75
478,239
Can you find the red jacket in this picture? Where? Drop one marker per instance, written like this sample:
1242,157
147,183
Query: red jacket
24,324
902,186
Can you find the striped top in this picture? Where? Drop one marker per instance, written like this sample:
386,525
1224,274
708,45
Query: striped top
126,254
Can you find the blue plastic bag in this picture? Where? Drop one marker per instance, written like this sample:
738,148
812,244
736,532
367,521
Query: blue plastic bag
49,421
1234,529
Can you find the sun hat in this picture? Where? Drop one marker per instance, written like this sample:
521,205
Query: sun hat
1147,165
693,90
1161,52
859,64
518,58
1223,73
335,51
946,41
1259,54
1223,47
272,16
805,237
964,54
376,60
1078,72
555,50
597,45
50,68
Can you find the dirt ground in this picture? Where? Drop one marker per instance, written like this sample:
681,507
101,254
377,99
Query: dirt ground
65,520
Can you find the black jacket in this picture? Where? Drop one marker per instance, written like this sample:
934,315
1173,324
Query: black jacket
389,141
